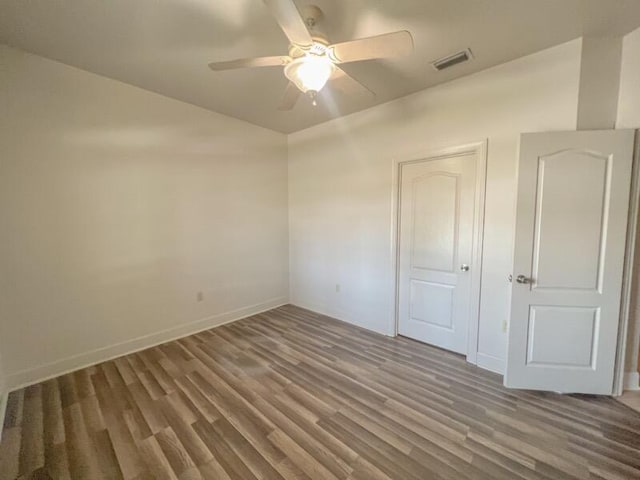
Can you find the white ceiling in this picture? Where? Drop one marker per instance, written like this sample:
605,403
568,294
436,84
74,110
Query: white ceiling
165,45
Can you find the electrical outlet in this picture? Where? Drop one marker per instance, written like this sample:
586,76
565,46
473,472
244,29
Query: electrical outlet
200,296
337,288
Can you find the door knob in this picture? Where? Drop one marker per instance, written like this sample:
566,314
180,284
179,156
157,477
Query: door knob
522,279
464,267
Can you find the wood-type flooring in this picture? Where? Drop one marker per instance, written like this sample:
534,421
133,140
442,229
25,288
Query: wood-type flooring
290,394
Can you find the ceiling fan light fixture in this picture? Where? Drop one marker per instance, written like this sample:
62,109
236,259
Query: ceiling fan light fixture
310,73
312,59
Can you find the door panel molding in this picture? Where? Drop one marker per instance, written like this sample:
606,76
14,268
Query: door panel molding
581,250
542,323
436,212
433,314
478,148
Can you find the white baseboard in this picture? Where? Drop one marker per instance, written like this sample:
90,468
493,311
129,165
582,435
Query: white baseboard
489,362
4,397
484,361
38,374
631,381
338,315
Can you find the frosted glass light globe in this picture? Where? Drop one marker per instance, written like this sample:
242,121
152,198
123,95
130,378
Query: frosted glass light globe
310,73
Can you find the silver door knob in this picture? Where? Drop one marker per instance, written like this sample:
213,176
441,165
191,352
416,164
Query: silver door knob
522,279
464,267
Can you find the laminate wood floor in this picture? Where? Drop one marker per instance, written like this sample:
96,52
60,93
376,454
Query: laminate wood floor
292,394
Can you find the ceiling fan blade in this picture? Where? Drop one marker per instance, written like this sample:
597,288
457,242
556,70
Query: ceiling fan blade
274,61
290,21
346,84
386,45
290,97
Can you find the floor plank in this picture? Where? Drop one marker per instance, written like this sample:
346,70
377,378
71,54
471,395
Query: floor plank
291,394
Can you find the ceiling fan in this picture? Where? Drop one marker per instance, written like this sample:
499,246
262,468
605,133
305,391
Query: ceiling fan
312,60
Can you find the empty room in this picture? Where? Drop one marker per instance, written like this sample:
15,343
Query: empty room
319,239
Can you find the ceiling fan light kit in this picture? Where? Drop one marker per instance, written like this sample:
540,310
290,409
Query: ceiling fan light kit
310,73
312,61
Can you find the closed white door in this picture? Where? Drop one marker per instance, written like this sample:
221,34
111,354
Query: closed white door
573,202
437,205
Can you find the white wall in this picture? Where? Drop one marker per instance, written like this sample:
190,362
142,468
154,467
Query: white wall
340,185
629,117
629,100
118,205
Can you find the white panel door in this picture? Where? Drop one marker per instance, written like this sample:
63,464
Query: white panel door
573,202
437,199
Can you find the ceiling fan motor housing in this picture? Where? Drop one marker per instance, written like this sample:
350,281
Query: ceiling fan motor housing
314,20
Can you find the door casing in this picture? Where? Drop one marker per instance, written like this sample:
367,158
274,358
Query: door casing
629,322
480,150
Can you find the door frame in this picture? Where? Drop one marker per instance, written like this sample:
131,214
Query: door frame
479,148
629,320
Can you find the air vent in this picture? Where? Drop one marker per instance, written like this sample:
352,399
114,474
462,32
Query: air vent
452,60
